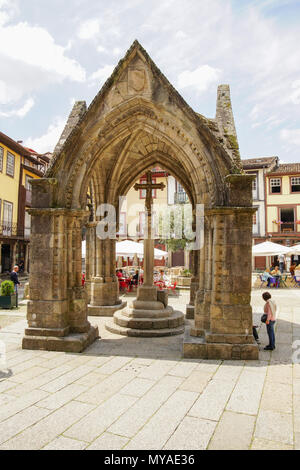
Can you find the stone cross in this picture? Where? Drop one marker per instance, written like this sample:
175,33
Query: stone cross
148,241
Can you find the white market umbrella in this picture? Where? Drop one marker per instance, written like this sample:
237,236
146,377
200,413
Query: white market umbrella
128,248
269,249
294,250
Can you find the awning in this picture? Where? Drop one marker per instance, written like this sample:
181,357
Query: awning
269,249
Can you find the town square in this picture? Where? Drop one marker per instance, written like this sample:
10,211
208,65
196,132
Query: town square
149,256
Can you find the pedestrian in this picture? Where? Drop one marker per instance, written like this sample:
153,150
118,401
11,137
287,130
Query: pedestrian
270,310
14,277
281,259
255,334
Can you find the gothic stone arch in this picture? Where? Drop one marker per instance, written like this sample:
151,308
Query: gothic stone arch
136,121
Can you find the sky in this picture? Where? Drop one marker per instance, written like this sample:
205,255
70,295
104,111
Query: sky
53,53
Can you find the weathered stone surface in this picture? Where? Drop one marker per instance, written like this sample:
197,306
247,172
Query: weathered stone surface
138,121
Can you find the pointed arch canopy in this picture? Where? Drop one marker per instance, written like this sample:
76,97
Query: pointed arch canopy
136,121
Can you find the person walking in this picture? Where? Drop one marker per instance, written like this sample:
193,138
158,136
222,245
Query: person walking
15,278
270,310
281,259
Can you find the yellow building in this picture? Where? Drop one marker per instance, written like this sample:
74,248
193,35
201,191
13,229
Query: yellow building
17,166
283,204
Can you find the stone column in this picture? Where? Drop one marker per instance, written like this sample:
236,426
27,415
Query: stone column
89,258
194,284
26,258
230,312
223,321
57,307
203,294
104,284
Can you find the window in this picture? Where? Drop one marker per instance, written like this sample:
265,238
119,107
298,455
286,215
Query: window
275,185
254,185
287,219
143,191
7,218
1,158
10,164
27,227
295,184
27,182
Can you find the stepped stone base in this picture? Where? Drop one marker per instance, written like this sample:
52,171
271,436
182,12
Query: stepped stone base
148,316
143,333
75,342
202,347
104,310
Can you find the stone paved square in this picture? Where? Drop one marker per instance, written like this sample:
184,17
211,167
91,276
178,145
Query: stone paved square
134,393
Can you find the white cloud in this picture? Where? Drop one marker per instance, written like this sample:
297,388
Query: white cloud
46,142
116,51
101,74
200,79
31,60
21,112
34,46
8,8
101,49
181,35
89,29
295,94
290,136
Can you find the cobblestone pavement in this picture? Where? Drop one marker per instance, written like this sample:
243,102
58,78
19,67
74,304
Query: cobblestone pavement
133,393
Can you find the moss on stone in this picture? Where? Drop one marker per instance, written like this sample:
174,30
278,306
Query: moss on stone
233,141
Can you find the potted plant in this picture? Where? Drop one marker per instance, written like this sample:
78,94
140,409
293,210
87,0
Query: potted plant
8,297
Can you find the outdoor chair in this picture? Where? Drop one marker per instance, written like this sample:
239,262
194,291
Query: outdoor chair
297,281
262,281
282,282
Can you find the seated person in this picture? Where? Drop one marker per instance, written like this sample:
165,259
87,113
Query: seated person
266,276
297,273
292,269
135,278
276,272
164,278
119,273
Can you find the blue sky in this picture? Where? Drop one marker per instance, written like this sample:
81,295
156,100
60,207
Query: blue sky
54,52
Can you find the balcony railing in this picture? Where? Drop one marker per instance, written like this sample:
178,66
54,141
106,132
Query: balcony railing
287,227
180,198
9,229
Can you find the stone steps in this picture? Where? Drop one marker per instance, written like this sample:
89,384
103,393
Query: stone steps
139,313
173,320
147,333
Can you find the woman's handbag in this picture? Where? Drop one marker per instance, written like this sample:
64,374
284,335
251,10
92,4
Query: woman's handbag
264,318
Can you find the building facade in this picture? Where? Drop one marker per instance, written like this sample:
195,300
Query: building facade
259,167
283,204
17,166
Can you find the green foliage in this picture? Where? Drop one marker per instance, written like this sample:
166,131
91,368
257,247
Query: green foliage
176,220
233,141
186,273
7,288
